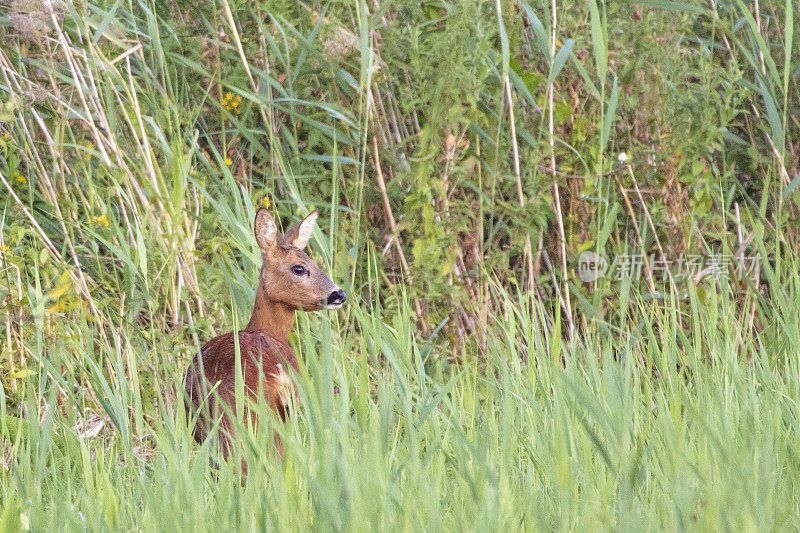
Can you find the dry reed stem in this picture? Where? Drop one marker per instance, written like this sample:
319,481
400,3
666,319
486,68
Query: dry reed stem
98,138
658,242
387,206
382,115
10,74
549,266
131,184
785,178
130,181
647,270
517,174
556,195
145,140
125,54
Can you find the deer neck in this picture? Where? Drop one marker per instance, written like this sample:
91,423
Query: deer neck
273,317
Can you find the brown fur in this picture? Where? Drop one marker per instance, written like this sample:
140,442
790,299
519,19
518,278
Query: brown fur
266,357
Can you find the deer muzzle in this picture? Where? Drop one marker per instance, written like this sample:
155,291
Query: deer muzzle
336,299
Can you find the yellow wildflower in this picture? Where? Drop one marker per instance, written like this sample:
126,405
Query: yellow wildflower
263,203
86,144
19,177
228,161
231,102
101,220
5,249
85,154
6,136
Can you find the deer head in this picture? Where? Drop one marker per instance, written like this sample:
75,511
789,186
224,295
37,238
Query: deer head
289,277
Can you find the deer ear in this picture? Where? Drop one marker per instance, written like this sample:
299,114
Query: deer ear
266,231
299,234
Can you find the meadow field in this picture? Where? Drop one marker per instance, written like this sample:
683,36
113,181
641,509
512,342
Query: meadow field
569,233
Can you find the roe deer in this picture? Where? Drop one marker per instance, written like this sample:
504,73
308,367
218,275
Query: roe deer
289,281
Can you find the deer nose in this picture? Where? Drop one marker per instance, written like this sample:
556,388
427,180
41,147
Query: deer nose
337,297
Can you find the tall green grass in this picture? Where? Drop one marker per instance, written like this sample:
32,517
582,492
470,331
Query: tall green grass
660,432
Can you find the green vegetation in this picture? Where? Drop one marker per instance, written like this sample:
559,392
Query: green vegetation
463,155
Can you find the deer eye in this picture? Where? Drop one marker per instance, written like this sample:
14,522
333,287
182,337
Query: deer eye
298,270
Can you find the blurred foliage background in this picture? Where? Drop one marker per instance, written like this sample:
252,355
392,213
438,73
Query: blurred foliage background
463,155
124,122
